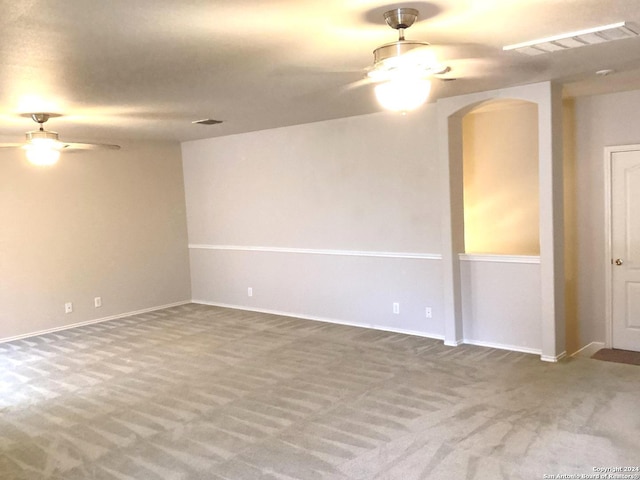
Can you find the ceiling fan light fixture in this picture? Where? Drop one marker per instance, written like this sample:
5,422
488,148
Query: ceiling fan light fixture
42,153
43,147
403,67
403,94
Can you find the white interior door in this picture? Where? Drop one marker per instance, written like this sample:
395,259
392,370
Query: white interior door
625,248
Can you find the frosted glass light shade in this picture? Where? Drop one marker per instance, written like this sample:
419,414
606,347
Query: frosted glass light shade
43,151
403,94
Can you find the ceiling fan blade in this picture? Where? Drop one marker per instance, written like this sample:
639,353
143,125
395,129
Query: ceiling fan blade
448,51
45,143
357,84
427,55
475,68
75,146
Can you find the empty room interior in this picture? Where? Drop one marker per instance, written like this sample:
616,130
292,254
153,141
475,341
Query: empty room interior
295,240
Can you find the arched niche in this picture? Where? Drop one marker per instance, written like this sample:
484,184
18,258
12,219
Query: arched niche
500,178
451,112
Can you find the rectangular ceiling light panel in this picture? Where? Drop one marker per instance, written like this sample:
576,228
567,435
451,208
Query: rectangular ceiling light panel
565,41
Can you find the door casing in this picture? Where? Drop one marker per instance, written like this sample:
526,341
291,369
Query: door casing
608,256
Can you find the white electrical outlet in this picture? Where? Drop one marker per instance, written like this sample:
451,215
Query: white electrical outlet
396,308
97,302
250,292
68,307
428,312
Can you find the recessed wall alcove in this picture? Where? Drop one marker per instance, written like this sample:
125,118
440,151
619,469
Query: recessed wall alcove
500,178
501,158
500,266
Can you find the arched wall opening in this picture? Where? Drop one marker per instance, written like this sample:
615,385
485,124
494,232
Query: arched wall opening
500,264
487,296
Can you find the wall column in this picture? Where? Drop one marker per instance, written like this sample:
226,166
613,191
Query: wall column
552,225
450,112
450,155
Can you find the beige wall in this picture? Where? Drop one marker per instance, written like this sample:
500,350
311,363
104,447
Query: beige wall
602,120
306,215
359,183
500,152
108,224
362,193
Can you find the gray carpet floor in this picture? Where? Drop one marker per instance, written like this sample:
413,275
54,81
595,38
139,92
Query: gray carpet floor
199,392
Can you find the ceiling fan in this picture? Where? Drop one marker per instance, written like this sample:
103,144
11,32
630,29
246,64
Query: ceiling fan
43,147
402,69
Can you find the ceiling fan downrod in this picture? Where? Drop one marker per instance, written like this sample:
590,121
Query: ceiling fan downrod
400,19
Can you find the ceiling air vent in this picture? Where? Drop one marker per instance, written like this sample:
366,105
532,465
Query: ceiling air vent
207,121
565,41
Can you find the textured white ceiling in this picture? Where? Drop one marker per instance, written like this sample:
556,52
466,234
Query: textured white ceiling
144,69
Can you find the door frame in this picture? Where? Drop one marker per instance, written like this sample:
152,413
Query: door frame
608,254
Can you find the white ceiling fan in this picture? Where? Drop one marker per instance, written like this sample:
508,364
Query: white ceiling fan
43,147
402,69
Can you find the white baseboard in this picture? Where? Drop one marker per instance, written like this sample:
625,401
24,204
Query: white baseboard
585,351
588,350
513,348
321,319
453,343
553,359
91,322
502,346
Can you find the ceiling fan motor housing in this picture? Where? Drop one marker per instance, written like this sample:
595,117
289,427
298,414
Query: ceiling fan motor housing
399,19
39,135
395,49
389,59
